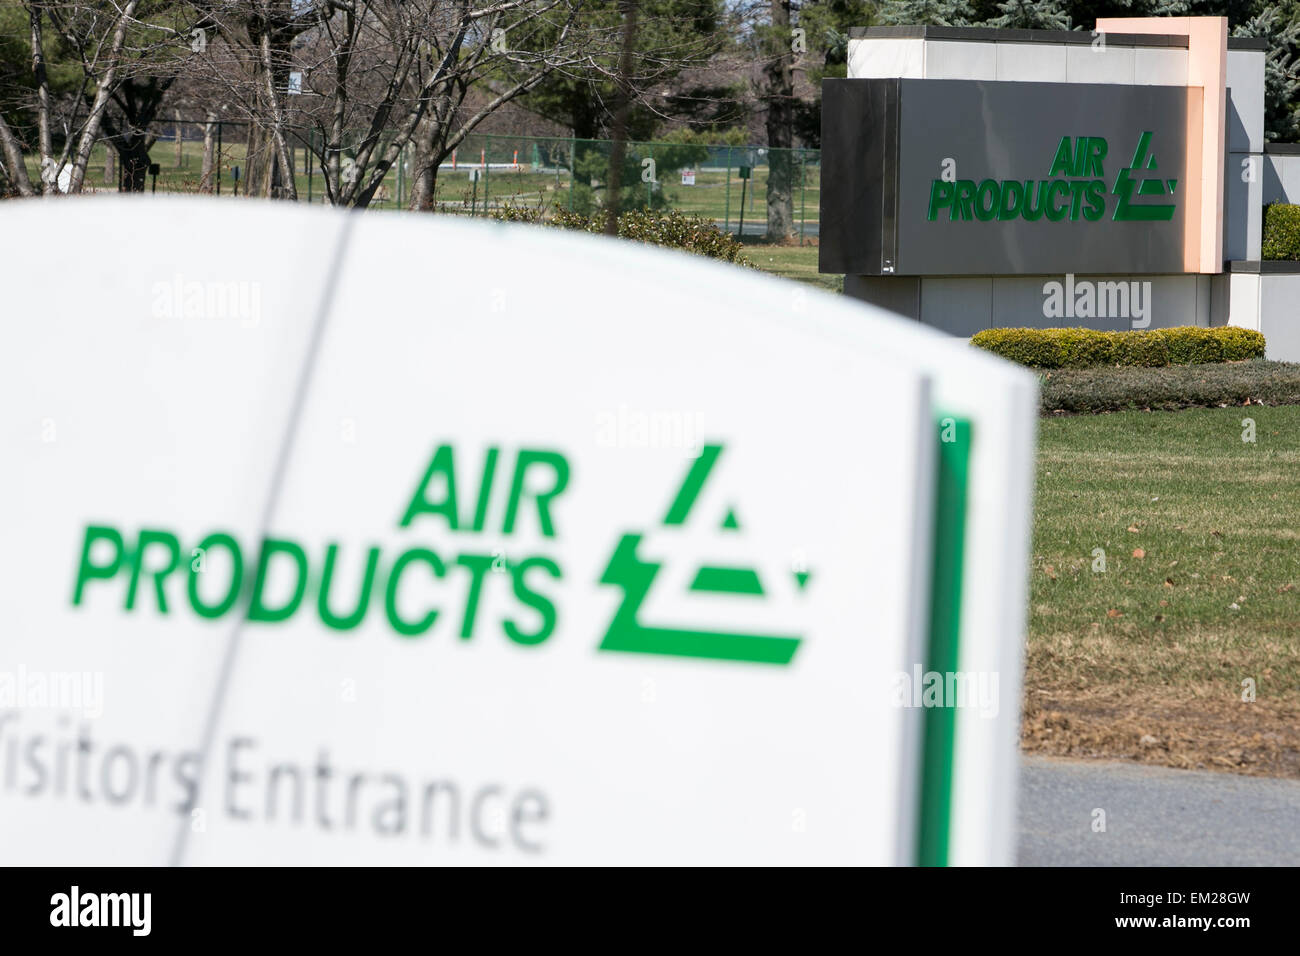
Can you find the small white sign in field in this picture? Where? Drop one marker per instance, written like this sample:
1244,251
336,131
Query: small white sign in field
544,548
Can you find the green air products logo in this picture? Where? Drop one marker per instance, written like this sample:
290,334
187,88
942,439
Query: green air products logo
1124,183
433,582
1075,188
439,581
635,576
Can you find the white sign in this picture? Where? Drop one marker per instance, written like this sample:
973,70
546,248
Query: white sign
688,177
295,83
493,579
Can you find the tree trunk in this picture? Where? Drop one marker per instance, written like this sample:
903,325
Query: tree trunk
13,155
107,83
424,186
275,74
110,163
618,151
428,141
49,171
209,153
264,175
779,74
257,173
134,152
180,155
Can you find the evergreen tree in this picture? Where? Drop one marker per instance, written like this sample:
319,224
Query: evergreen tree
1280,26
1084,13
672,36
1031,15
939,13
1278,22
826,24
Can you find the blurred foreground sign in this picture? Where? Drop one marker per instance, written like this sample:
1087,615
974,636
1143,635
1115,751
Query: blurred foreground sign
432,542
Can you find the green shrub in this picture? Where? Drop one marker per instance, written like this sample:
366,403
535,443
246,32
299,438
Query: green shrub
1281,232
1091,390
668,228
513,213
1089,348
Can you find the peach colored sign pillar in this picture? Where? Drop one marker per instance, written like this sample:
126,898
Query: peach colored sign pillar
1207,68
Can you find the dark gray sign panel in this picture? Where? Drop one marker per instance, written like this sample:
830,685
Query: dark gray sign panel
966,177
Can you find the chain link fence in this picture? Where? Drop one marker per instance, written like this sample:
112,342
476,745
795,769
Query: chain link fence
727,184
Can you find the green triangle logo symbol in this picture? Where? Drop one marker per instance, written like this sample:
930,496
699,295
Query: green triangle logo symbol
628,571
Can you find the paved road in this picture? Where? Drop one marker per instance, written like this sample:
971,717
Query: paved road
1154,816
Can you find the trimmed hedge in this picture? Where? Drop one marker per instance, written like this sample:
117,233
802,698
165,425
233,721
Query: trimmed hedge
668,228
1281,232
1091,390
1089,348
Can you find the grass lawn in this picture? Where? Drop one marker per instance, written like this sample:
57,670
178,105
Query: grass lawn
792,262
1200,593
716,196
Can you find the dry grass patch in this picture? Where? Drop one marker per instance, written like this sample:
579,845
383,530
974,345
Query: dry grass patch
1165,586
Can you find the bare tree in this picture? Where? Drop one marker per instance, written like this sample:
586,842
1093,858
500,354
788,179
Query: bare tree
118,55
363,84
512,47
247,65
383,79
98,36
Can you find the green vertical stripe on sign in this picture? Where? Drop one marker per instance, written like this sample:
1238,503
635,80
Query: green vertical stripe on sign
951,481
